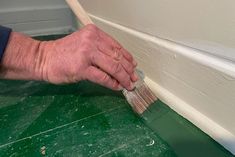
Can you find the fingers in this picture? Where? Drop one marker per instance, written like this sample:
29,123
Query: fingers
114,45
113,68
98,76
116,55
108,42
128,56
112,59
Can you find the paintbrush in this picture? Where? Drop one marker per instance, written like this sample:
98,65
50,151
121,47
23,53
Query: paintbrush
141,97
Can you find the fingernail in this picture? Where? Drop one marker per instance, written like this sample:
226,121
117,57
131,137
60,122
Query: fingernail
120,87
135,77
131,87
134,63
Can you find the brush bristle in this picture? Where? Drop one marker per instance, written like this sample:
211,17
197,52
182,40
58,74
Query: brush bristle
140,98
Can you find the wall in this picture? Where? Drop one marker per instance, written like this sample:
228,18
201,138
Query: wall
203,24
186,49
37,17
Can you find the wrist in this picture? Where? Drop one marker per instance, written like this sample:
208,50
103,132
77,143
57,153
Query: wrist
23,58
40,68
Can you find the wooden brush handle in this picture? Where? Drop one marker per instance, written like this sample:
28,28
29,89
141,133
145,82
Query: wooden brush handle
79,12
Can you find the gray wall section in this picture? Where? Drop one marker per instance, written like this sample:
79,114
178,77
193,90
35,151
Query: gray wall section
5,4
37,17
8,4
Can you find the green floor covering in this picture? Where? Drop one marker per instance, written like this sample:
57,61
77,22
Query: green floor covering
40,119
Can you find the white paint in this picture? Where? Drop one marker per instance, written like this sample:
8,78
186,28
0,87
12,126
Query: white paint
188,22
199,86
151,143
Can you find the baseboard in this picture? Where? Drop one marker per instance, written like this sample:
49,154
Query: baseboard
197,85
207,125
39,21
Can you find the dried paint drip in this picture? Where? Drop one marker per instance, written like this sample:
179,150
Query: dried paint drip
43,150
151,143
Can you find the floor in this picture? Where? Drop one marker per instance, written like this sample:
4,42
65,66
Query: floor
84,119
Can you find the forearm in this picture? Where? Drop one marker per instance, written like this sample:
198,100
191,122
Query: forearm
23,58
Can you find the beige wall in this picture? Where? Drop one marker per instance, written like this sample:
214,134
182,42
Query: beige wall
203,24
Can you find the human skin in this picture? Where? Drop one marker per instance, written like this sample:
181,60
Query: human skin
88,54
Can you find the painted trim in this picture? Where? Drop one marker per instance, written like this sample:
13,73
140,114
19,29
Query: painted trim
190,99
220,64
197,24
218,133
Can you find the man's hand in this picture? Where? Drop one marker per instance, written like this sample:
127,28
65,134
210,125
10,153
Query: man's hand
88,54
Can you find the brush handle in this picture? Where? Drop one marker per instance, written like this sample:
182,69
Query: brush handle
79,12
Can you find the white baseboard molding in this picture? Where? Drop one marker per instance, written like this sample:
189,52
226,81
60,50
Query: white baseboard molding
198,86
39,21
218,133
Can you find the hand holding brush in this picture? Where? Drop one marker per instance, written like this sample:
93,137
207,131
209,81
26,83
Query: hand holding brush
138,95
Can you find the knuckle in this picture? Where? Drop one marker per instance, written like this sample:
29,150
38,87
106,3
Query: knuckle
116,68
130,69
92,27
93,57
117,55
105,78
118,45
114,85
88,35
85,44
127,80
127,54
115,44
